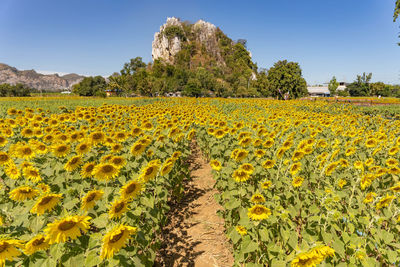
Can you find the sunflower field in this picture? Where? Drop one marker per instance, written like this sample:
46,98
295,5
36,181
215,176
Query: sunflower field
301,183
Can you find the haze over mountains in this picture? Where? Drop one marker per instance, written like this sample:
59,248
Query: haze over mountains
33,79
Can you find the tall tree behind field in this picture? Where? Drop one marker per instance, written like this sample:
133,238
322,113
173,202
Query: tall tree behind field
333,85
286,77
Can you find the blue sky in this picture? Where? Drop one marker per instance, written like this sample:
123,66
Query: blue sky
95,37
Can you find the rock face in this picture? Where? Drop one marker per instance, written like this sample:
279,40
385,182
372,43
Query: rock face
36,80
166,47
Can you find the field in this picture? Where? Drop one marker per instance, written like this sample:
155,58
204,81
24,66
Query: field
96,182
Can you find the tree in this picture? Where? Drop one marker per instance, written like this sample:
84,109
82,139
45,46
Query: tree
131,67
193,88
286,77
90,86
333,85
361,86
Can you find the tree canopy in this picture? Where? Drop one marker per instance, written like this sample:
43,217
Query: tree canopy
286,77
90,86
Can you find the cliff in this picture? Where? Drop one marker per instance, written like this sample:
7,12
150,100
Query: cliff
199,44
36,80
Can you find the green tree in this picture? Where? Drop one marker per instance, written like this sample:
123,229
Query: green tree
90,86
193,88
286,77
333,85
132,66
361,86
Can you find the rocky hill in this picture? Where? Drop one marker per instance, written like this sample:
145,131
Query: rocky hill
36,80
199,44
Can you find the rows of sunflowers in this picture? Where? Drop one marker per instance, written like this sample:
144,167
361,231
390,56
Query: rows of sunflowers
301,183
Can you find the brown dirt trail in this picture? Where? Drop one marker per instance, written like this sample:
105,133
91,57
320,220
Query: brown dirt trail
194,235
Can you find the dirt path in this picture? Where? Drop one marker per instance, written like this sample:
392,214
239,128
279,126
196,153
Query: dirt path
194,235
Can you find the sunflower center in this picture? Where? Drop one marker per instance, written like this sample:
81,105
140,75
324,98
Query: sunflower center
137,147
25,191
91,197
3,157
107,169
83,147
61,148
3,247
38,242
89,168
66,225
45,200
33,173
149,170
97,136
27,151
119,207
74,160
117,161
131,188
258,210
117,237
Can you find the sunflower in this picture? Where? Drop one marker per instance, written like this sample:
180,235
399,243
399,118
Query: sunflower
266,184
369,198
97,138
3,141
137,149
258,212
131,189
166,168
12,171
268,164
393,151
342,183
69,227
37,243
385,201
241,155
150,171
259,153
44,187
89,200
118,161
73,163
240,175
268,143
9,249
105,171
23,192
87,170
215,165
307,259
46,203
116,148
219,133
118,207
115,239
257,198
241,230
83,148
391,162
4,158
297,181
394,170
297,155
247,167
60,150
331,167
359,165
372,142
32,174
295,168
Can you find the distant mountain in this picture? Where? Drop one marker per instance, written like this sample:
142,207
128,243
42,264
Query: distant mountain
36,80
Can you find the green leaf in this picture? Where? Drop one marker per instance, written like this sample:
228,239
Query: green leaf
92,259
338,246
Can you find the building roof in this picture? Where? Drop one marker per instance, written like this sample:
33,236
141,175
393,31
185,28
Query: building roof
318,89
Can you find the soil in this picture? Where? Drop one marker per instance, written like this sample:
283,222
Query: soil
194,234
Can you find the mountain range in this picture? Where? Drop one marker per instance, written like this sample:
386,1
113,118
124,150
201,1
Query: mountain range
31,78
